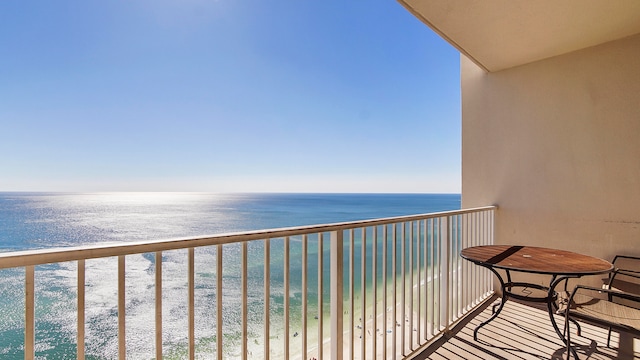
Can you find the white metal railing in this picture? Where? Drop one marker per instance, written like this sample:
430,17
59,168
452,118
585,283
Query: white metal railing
394,284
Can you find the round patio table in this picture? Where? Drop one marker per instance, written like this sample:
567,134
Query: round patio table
561,265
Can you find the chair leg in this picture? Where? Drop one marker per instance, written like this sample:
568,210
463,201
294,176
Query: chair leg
578,328
609,338
568,337
567,330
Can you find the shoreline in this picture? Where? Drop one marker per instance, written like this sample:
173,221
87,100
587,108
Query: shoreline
386,319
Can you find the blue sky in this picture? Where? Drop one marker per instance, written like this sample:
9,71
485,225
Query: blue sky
226,95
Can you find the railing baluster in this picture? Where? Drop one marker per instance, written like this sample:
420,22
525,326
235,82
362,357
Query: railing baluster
486,235
158,332
426,277
477,280
81,311
286,297
320,290
455,271
384,292
411,283
122,350
483,230
446,278
453,281
267,297
480,241
469,272
29,315
456,255
352,324
468,301
394,266
419,278
465,267
491,216
404,287
337,276
304,295
374,286
219,324
484,241
483,281
470,282
474,271
462,290
191,301
432,277
478,277
437,274
363,293
244,352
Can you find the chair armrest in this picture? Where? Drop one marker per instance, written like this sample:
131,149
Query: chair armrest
609,292
632,273
589,301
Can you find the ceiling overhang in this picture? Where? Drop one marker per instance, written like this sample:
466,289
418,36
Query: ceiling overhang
500,34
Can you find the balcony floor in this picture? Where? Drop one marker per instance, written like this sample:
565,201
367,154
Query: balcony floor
525,332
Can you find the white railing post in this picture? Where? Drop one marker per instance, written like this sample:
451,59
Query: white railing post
158,309
305,243
122,339
286,300
374,289
363,294
445,250
431,312
29,321
352,325
245,317
320,295
337,272
81,311
191,303
219,345
267,297
411,283
384,325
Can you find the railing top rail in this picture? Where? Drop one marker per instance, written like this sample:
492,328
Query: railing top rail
46,256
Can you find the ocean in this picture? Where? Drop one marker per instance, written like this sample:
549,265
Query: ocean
50,220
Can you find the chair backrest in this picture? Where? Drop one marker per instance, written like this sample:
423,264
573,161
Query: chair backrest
625,277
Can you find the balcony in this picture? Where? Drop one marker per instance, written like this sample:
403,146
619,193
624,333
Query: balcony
382,288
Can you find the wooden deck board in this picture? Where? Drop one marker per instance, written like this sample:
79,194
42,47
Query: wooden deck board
524,332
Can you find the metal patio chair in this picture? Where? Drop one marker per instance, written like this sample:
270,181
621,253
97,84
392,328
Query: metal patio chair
615,306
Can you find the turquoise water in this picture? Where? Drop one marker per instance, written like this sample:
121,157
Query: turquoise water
39,220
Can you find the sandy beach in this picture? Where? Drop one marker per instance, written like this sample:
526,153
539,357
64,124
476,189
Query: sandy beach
394,335
386,326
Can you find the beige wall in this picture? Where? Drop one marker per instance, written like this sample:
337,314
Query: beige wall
556,145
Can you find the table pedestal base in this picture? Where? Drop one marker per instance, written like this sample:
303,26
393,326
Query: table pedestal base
507,288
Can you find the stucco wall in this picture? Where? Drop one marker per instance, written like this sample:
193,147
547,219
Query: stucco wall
556,145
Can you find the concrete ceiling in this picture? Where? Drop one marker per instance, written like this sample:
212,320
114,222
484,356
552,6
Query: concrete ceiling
499,34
